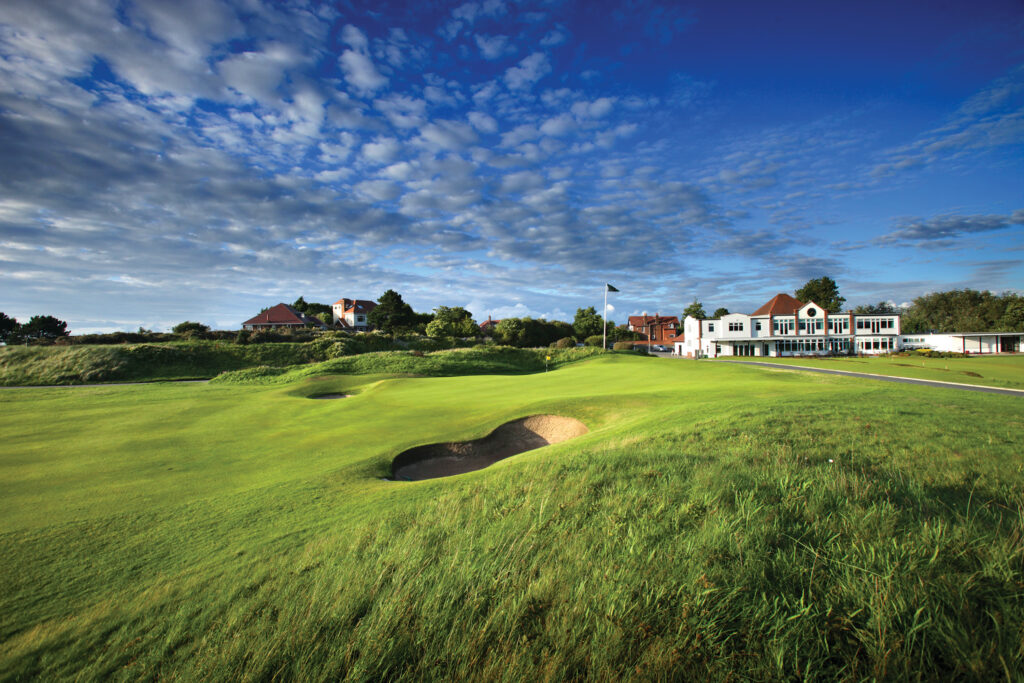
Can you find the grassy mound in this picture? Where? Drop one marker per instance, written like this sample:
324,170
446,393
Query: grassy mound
52,365
718,522
480,360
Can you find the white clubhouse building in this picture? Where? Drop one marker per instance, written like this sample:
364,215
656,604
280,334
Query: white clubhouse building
787,327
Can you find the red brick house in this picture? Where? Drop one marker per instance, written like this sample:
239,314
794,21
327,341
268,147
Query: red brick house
656,329
488,325
281,315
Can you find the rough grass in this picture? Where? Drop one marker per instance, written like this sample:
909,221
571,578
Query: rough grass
480,360
56,365
719,522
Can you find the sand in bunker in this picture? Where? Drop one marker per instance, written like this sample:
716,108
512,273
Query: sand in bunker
511,438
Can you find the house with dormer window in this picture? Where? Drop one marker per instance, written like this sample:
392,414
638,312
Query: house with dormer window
786,327
352,314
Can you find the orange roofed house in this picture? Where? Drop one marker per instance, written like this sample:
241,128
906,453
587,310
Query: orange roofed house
352,314
657,329
281,315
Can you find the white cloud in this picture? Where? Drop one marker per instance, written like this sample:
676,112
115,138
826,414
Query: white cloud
553,38
402,111
378,190
356,64
400,171
522,181
354,38
485,92
530,70
593,110
482,122
360,71
518,135
558,125
494,47
381,150
450,135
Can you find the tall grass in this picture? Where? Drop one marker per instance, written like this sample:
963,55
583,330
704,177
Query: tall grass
55,365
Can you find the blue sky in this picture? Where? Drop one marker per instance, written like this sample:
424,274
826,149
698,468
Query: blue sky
163,161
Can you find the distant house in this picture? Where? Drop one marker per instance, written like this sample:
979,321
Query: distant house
352,314
656,329
281,315
487,326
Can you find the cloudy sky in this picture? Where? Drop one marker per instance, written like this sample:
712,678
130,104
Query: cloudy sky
163,161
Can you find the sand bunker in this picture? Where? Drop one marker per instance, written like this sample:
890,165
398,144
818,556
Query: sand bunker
511,438
327,396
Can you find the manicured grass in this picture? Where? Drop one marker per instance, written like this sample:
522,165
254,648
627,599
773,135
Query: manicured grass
718,522
992,371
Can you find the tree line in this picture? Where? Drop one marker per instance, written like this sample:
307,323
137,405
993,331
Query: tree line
37,327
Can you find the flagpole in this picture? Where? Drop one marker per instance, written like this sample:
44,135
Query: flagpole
604,338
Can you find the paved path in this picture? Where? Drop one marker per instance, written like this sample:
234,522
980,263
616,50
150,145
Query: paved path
885,378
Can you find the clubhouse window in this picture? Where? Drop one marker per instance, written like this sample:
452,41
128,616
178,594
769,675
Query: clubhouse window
735,327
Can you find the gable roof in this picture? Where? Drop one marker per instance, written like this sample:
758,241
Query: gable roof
283,314
356,305
780,304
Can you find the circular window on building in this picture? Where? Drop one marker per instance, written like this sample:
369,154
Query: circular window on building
812,312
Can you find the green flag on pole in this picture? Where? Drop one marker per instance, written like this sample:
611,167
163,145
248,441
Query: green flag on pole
604,315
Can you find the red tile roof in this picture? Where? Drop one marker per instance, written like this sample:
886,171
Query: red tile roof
282,314
780,304
356,305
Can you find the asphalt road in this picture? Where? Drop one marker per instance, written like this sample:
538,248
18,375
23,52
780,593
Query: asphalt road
885,378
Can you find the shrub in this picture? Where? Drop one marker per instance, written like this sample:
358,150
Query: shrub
566,343
623,346
197,329
594,340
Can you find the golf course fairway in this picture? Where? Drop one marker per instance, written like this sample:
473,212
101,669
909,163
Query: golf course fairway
715,522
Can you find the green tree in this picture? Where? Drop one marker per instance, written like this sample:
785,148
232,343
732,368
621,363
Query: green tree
9,328
392,314
44,327
509,331
965,310
719,312
824,291
1012,319
452,322
321,311
696,310
881,308
190,328
587,322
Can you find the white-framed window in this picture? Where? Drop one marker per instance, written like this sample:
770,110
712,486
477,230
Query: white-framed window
711,327
757,325
735,327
